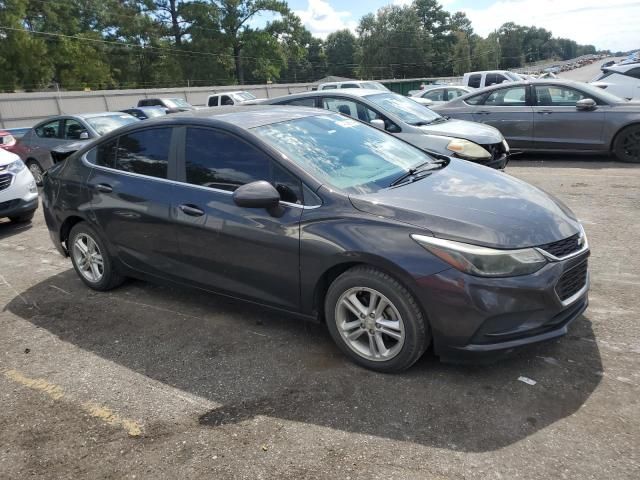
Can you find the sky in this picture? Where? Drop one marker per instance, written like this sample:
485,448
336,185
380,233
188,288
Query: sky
611,24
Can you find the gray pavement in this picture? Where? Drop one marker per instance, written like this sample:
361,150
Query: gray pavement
586,73
157,382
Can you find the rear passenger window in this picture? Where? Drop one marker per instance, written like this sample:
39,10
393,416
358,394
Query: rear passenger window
634,73
145,152
49,130
341,105
301,102
104,155
213,102
474,81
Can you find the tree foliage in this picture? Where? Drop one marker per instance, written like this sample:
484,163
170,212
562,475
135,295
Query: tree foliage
157,43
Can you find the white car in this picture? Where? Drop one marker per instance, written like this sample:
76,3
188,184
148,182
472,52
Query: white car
18,190
487,78
230,98
353,84
621,80
438,94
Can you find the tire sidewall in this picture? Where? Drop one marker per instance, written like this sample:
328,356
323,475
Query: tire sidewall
617,146
110,276
417,335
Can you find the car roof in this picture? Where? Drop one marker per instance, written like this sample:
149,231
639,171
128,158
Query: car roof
535,81
347,92
227,93
250,116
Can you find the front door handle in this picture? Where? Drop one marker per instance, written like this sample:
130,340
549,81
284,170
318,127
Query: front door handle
191,210
545,112
483,112
104,188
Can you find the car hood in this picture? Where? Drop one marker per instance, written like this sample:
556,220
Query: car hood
475,204
476,132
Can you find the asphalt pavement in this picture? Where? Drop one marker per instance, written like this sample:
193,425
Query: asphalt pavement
586,73
156,382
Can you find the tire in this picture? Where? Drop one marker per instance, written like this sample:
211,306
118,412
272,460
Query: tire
94,265
24,218
626,146
404,331
36,170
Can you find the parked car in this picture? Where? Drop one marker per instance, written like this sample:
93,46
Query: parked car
323,216
7,141
411,122
17,132
18,190
144,113
555,116
171,105
367,84
35,146
230,98
620,80
437,94
488,77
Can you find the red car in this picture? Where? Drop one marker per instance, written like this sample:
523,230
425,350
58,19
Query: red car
7,141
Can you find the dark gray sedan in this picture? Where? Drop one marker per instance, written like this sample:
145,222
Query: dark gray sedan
555,116
35,146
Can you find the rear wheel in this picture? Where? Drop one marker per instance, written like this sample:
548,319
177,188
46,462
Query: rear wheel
375,320
27,217
626,146
91,260
36,170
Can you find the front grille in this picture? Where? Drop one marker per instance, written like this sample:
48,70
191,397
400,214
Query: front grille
572,281
5,180
9,204
562,248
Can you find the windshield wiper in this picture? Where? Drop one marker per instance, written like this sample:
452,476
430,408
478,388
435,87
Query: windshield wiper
411,174
422,123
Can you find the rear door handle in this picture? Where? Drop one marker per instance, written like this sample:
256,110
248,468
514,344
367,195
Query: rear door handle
545,112
191,210
104,188
483,112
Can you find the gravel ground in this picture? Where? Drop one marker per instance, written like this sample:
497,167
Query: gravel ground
156,382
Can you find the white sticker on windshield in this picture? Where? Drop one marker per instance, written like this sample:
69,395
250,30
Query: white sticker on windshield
347,123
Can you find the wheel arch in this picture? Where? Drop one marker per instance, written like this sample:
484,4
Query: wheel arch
65,229
619,131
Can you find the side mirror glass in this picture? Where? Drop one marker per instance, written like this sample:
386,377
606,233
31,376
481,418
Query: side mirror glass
586,104
84,135
260,194
376,122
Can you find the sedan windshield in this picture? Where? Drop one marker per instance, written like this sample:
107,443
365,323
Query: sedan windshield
106,123
343,153
404,108
599,93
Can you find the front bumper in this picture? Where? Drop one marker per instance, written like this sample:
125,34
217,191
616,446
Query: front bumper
475,318
18,195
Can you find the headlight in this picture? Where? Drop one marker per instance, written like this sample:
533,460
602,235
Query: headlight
483,261
467,149
33,187
16,166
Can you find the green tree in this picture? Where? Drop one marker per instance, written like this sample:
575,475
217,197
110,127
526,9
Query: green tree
461,54
340,48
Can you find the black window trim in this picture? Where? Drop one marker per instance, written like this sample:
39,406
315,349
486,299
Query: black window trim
534,96
171,166
180,150
46,122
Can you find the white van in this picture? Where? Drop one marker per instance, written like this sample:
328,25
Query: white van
353,84
230,98
489,77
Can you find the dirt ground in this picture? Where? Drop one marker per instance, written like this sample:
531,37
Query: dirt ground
156,382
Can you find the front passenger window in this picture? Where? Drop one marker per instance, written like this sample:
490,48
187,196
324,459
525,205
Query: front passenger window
507,97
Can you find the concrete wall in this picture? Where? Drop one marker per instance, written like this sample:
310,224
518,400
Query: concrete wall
26,109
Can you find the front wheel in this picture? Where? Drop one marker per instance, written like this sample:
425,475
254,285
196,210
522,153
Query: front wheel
375,320
626,146
91,260
36,170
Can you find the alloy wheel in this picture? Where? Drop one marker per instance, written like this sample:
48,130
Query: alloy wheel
88,258
631,145
370,324
36,171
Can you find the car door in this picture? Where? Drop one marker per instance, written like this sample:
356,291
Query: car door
74,130
559,125
508,109
244,252
130,187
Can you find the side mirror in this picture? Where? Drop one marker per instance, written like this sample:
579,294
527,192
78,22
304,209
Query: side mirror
376,122
84,135
260,194
586,104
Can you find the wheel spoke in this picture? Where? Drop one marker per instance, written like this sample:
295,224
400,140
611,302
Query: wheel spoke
391,333
380,308
382,349
348,326
95,271
84,249
354,305
356,334
373,347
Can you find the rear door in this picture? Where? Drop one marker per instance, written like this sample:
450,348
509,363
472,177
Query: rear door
558,125
131,188
508,109
245,252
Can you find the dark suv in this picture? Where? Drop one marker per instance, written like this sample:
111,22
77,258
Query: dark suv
313,213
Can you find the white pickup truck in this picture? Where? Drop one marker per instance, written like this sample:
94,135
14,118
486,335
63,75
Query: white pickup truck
489,77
